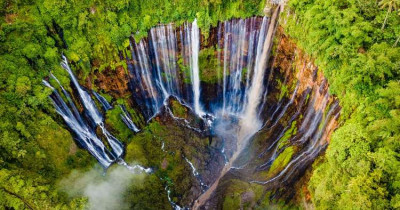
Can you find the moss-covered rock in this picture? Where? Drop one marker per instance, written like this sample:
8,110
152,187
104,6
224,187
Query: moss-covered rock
177,109
282,160
210,70
184,70
164,144
288,134
241,195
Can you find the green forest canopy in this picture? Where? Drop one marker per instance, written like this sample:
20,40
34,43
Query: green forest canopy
355,43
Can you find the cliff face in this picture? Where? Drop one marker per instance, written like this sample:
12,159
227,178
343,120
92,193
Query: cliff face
299,116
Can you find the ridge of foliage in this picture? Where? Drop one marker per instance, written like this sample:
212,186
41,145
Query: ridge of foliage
356,44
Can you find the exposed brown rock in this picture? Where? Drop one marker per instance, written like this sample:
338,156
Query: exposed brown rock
164,164
113,82
301,68
10,18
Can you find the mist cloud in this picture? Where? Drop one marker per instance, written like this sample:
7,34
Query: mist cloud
104,191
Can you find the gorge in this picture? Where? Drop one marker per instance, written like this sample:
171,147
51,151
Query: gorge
199,104
273,114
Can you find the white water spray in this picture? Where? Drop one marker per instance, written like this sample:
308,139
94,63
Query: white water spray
195,45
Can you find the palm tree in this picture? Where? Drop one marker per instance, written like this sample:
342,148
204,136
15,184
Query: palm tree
391,5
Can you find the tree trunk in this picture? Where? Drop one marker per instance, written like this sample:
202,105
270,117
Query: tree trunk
397,41
19,197
387,14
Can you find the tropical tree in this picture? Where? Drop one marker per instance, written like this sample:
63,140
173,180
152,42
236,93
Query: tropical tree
391,5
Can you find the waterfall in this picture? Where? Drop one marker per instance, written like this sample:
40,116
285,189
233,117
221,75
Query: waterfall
194,67
84,128
167,63
163,42
249,123
126,117
256,89
84,134
173,204
87,102
154,70
241,57
102,100
91,109
313,133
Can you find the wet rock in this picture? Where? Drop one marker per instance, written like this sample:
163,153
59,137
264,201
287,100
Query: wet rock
113,82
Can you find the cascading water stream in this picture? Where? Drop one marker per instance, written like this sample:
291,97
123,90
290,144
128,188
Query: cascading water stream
194,67
84,128
312,150
155,72
93,112
84,134
125,116
239,58
88,103
196,174
102,100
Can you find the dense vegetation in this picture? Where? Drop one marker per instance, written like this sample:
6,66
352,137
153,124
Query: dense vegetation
35,151
356,44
